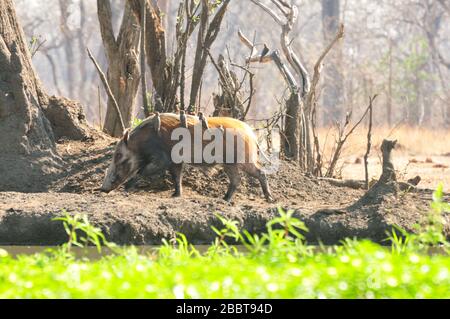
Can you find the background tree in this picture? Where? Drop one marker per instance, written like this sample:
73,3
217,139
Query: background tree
168,71
122,54
333,85
365,66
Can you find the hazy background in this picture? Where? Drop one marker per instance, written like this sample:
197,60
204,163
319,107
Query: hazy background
399,49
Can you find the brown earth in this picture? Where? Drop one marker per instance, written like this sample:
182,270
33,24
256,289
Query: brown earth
147,214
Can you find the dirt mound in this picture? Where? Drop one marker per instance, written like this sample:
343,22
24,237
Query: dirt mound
67,119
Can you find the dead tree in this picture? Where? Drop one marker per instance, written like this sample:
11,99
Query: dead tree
388,172
108,90
297,91
155,47
387,181
123,73
369,145
207,35
168,72
231,101
297,135
30,120
344,132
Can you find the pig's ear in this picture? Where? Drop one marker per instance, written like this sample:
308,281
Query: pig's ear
126,136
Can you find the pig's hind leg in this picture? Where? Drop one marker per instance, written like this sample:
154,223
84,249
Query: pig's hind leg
176,170
232,172
256,172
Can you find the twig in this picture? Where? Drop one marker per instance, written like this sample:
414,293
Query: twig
143,62
100,108
250,98
369,141
396,126
37,47
107,88
318,67
343,138
199,97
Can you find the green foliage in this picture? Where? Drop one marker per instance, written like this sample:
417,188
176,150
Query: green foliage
429,232
35,44
418,56
411,70
276,264
136,123
81,233
150,107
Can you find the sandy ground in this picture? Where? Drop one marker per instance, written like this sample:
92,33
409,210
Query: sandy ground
432,169
420,151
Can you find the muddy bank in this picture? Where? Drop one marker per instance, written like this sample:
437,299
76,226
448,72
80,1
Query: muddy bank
146,214
145,219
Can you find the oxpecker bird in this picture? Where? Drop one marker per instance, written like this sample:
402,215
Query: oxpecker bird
204,121
265,51
183,119
157,123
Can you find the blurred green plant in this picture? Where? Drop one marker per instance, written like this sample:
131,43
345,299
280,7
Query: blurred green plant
35,44
81,233
429,232
136,123
275,264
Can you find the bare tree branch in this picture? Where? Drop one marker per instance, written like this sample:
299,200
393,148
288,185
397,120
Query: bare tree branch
107,89
280,7
343,136
290,13
445,5
369,142
269,11
143,66
205,42
318,68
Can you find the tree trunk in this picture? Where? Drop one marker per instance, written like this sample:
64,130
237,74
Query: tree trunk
123,64
292,128
155,43
229,102
27,143
156,56
207,35
333,79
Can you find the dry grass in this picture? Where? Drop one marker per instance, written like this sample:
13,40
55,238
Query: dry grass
413,141
420,151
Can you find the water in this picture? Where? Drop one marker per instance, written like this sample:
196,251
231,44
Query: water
93,254
90,252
